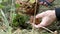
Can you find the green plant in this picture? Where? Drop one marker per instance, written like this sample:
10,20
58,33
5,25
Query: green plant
20,21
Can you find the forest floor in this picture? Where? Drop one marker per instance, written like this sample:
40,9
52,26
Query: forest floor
56,4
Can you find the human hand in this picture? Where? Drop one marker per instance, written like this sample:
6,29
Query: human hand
47,18
45,2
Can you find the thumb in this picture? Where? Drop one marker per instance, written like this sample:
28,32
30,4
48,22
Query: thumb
36,26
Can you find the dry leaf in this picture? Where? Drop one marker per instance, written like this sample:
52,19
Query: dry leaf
37,21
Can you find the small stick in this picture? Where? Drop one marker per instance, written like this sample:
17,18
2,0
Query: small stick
34,17
47,29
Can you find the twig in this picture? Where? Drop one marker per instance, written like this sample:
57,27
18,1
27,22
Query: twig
34,16
47,29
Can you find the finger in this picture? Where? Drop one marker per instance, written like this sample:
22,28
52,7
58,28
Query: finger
36,26
41,15
45,22
41,3
45,3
